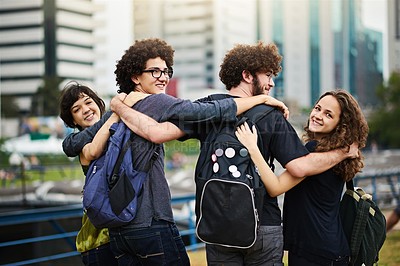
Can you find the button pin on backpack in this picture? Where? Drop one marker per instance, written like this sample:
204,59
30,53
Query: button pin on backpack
243,152
216,167
232,168
236,174
230,152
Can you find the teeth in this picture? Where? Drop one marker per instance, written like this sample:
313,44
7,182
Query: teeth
89,116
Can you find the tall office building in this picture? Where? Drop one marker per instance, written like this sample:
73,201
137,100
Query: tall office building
43,40
324,45
393,9
200,31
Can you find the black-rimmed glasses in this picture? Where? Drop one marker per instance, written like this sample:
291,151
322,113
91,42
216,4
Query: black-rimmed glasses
156,72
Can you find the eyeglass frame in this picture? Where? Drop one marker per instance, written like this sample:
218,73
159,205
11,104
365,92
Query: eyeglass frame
167,73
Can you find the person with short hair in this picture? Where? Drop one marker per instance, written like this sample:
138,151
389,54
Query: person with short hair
80,107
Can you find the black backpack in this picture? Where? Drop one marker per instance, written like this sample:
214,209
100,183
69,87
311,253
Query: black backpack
364,225
229,191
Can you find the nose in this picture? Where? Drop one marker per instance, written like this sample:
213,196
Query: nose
85,109
317,115
271,82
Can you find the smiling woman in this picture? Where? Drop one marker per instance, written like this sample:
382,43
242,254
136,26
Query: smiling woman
81,107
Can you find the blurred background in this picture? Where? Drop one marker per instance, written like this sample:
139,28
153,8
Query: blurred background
326,44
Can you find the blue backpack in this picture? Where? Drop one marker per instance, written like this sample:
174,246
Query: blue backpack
112,185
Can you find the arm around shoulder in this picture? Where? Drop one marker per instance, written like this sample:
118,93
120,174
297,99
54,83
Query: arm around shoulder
319,162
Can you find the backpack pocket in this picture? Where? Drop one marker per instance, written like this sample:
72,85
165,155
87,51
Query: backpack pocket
228,216
121,194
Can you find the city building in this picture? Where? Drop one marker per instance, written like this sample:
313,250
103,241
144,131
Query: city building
393,9
200,31
324,44
43,40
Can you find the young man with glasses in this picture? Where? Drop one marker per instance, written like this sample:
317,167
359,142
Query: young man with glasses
152,238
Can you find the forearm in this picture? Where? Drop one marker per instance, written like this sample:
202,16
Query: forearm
94,149
273,184
246,103
315,163
145,126
74,143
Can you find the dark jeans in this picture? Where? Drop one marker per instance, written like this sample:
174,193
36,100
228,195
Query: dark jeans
100,256
294,260
159,244
266,251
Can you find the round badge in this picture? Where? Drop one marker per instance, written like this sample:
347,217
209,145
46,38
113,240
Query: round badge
230,152
236,174
216,167
232,168
214,158
219,152
243,152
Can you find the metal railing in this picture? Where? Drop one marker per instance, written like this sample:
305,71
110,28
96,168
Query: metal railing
382,184
184,216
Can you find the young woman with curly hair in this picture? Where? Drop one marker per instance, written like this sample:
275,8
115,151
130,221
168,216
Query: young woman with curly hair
313,232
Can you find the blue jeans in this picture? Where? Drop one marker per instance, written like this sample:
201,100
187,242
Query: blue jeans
266,251
99,256
159,244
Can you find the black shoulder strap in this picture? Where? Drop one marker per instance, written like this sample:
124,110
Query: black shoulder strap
125,148
218,96
255,114
350,185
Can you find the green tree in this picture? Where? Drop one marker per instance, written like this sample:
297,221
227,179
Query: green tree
384,122
45,100
9,107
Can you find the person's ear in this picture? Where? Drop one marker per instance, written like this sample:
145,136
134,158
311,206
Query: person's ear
246,76
135,79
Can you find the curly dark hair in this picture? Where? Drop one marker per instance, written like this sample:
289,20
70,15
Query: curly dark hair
133,62
253,58
72,92
352,127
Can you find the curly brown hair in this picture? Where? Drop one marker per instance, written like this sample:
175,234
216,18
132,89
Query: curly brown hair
72,92
133,62
352,127
253,58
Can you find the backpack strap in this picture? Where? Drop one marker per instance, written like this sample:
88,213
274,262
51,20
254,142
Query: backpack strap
255,115
360,223
125,148
156,154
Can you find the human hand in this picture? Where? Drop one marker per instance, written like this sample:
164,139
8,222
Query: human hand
353,151
117,99
121,96
247,137
133,97
278,104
